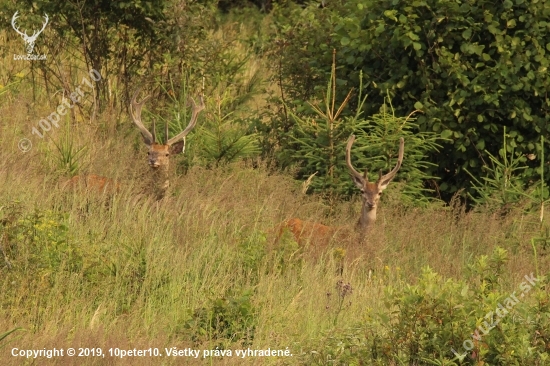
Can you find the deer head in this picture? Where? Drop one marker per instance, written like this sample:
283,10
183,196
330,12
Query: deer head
29,40
159,154
371,191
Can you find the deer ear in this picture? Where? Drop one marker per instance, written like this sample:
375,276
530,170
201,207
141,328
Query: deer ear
384,184
359,181
177,147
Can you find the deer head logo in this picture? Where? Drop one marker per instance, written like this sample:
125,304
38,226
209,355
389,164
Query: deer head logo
29,40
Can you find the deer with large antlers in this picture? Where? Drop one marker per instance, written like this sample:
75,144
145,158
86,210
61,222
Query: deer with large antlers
371,191
159,154
29,40
370,196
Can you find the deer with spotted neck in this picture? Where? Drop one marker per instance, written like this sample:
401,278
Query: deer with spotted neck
159,154
371,192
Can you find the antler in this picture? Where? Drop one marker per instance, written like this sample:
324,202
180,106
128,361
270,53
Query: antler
386,179
194,115
35,33
383,180
357,177
43,26
135,111
13,19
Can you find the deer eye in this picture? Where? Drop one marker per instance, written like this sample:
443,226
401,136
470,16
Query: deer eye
167,154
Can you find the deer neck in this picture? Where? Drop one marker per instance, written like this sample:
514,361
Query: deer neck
366,220
160,182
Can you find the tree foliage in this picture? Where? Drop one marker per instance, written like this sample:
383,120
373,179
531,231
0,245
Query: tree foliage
128,31
317,142
472,67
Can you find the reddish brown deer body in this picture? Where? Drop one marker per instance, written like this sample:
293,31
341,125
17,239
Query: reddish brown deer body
93,182
370,196
307,231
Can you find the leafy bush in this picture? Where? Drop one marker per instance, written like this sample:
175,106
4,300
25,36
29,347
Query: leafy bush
99,32
38,242
226,320
449,322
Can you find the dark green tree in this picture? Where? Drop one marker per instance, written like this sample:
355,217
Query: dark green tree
317,144
472,67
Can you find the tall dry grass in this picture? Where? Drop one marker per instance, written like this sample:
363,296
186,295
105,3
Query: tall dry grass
146,266
143,268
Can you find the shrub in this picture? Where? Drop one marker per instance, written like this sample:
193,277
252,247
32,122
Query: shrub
226,320
449,322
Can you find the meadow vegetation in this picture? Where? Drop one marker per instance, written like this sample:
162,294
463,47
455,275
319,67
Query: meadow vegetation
199,269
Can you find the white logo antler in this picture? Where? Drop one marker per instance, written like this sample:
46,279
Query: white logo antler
29,40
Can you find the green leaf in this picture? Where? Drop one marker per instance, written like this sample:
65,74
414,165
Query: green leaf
413,36
446,134
467,33
391,14
344,41
380,29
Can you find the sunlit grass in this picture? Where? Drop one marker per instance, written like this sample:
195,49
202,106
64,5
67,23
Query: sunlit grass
141,268
84,269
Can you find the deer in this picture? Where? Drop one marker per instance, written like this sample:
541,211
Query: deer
29,40
94,183
158,154
302,231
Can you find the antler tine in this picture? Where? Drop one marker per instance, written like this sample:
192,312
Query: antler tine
154,131
135,111
43,24
352,170
166,132
388,177
13,19
194,115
